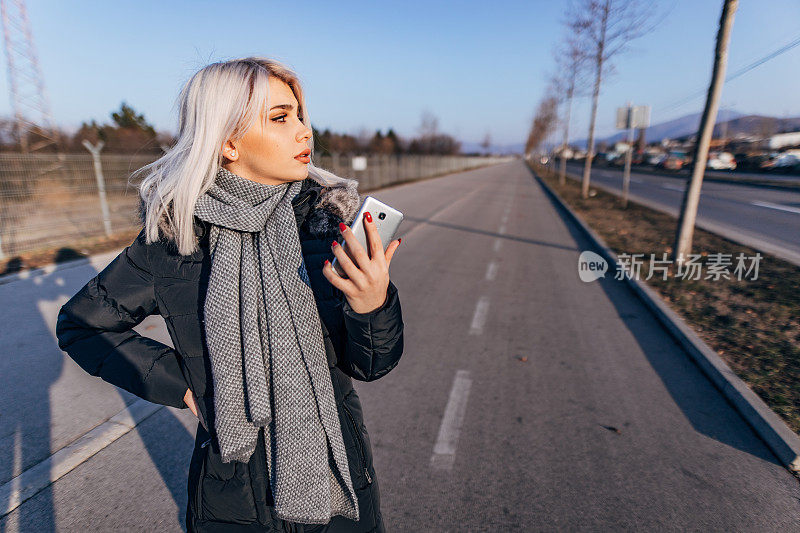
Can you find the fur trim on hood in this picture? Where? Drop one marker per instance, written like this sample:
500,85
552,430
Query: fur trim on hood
336,203
341,199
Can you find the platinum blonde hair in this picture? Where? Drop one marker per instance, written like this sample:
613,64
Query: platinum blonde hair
220,102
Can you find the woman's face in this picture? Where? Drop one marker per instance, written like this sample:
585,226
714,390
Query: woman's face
266,153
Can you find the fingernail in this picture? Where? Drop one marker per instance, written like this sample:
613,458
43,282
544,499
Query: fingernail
335,243
326,262
399,240
342,226
368,216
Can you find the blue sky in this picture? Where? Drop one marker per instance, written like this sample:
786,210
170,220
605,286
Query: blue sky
480,67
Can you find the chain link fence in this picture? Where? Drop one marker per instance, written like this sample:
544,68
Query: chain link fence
52,200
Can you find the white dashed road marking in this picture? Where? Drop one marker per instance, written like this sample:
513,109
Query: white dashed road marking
479,318
444,451
491,271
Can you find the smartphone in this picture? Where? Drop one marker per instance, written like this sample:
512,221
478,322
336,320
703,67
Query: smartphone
387,219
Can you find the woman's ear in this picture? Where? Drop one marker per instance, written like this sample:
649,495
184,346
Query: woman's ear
229,151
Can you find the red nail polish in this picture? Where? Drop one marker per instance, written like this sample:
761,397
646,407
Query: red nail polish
335,243
399,240
368,216
342,226
326,262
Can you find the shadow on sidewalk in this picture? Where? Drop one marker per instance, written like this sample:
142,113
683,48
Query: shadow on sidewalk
31,365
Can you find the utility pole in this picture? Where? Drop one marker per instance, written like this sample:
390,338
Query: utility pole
629,118
626,175
691,198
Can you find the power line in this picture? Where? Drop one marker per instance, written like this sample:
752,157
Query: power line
764,59
740,72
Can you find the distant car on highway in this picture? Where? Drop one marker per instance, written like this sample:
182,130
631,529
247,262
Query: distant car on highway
721,161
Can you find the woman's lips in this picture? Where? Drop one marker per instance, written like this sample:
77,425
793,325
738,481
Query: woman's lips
303,158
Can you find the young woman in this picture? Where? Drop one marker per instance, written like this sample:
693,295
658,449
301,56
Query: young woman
239,231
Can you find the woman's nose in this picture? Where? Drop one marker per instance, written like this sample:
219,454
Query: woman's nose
305,134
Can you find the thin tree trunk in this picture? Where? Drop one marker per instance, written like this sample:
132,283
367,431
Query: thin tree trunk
562,178
587,168
691,198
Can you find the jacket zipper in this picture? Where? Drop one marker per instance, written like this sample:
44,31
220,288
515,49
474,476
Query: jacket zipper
360,444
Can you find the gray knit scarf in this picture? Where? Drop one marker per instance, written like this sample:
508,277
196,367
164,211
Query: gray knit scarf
267,352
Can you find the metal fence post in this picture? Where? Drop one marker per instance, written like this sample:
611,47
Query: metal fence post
101,182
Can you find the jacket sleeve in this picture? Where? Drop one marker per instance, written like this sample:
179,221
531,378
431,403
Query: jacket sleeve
94,329
374,340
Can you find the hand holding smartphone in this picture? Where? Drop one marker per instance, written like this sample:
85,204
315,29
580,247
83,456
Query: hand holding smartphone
386,218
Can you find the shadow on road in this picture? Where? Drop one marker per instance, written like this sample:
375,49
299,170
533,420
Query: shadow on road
692,392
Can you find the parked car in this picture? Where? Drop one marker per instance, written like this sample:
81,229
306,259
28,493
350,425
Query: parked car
615,159
655,160
675,160
749,161
786,162
721,161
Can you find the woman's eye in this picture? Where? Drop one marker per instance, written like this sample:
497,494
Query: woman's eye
275,119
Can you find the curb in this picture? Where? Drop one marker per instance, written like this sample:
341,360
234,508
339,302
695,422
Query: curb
55,267
35,478
783,442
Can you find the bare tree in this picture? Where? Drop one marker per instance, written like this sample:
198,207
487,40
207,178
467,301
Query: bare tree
570,62
429,125
486,144
431,140
691,198
544,122
604,29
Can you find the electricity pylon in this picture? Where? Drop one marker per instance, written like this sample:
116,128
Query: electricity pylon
28,97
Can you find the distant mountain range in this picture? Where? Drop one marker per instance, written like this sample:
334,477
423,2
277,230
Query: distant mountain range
736,123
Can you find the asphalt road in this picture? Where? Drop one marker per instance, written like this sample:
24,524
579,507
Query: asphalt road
765,218
605,425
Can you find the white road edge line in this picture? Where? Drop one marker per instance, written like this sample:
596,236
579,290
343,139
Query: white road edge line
36,478
479,317
444,451
776,206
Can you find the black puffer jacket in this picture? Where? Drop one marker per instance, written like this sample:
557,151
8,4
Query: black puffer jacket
94,328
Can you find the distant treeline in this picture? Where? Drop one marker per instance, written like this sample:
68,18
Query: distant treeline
129,133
